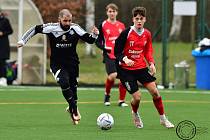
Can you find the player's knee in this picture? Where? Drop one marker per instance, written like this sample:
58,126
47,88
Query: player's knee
112,76
137,96
155,93
64,83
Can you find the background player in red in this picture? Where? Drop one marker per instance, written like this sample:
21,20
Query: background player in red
133,51
109,31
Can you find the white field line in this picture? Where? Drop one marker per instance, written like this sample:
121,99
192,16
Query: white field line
40,88
99,102
45,88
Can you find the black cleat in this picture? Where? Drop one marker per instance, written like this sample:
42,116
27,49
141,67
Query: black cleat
107,100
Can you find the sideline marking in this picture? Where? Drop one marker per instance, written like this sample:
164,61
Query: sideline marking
45,88
99,102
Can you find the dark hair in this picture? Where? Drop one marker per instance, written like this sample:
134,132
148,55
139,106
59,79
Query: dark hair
139,11
112,6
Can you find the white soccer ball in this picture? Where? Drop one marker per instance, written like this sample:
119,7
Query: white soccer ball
105,121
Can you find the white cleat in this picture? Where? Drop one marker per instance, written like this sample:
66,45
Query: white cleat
107,103
75,118
107,100
166,123
137,120
122,104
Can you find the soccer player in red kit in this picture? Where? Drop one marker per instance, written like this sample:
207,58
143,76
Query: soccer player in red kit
133,51
109,30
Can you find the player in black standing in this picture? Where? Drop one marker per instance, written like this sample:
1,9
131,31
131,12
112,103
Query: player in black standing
64,61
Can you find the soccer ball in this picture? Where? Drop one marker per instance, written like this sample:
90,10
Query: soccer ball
105,121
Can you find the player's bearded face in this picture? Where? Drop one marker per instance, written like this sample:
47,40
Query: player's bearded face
65,27
65,22
139,21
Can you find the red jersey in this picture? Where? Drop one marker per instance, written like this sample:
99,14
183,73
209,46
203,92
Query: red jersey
110,33
136,47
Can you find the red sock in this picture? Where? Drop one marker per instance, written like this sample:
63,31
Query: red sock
134,107
108,86
159,105
122,91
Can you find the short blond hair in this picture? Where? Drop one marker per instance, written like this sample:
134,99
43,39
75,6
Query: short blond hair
112,6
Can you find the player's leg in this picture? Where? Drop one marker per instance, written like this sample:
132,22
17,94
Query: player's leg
157,100
73,75
112,74
108,85
73,86
62,78
132,88
122,94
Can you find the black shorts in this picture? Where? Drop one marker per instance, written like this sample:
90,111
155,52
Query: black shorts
65,71
130,78
110,65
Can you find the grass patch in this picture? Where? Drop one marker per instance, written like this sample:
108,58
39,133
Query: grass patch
37,113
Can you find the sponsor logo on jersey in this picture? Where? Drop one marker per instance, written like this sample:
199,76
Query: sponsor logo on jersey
112,38
61,45
135,53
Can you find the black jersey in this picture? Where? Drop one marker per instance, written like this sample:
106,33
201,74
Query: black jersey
62,43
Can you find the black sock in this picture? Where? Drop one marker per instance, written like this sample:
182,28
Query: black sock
68,95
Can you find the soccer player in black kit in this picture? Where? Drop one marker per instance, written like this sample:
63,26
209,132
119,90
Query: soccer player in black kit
64,61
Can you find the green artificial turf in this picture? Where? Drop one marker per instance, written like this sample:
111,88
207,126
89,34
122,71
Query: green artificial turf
38,113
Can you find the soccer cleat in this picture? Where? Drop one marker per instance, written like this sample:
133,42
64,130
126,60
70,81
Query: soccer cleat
137,120
3,82
166,123
107,100
74,117
122,104
107,103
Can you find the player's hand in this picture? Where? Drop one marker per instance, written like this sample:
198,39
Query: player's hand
128,62
152,68
20,44
95,30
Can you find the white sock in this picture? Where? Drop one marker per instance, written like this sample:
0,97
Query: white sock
163,117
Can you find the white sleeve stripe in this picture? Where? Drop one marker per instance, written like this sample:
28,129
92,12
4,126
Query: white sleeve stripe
50,27
29,34
78,30
50,24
